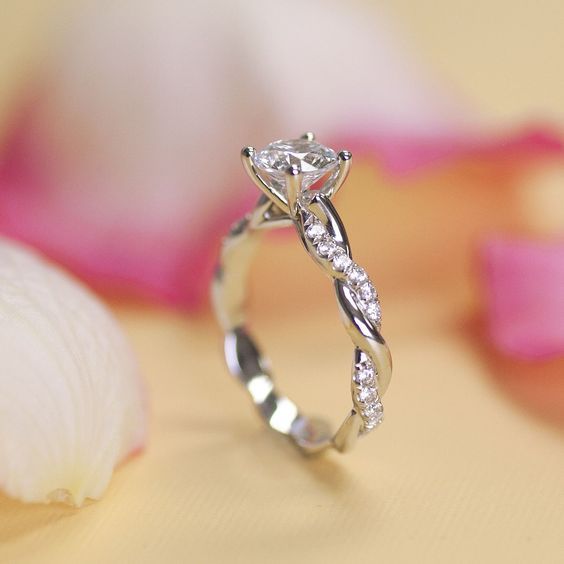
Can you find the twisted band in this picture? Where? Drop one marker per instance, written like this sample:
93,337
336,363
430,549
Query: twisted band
324,238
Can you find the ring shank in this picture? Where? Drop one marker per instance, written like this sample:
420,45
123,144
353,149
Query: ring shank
281,413
243,356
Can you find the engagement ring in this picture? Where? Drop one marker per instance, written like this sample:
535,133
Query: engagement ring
298,179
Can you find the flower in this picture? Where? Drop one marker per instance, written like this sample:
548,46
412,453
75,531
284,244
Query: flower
72,405
123,162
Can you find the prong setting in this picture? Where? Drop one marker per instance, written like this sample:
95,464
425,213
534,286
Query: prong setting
345,160
272,163
247,156
293,187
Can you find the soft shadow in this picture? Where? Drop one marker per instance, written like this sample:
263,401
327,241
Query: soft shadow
264,448
326,468
19,519
535,386
251,463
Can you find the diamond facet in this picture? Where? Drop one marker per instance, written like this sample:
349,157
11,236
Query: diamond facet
341,261
327,248
313,159
373,312
315,231
367,292
373,420
364,375
357,275
375,409
366,394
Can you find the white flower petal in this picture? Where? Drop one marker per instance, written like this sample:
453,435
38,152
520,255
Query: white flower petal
71,400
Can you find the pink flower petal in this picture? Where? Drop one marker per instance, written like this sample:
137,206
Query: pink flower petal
404,154
123,163
525,296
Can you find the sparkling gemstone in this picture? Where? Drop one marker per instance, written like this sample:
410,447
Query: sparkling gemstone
376,415
357,275
327,248
372,422
373,312
367,292
314,160
373,410
315,231
341,261
364,375
366,394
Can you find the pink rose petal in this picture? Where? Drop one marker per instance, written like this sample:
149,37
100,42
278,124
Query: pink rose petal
405,154
525,296
123,162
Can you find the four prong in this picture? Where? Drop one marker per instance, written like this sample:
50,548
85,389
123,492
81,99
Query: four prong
293,187
345,159
288,201
247,154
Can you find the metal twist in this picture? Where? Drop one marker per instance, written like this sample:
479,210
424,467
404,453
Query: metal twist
324,238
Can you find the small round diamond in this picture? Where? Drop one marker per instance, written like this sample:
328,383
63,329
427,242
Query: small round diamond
366,394
357,275
327,248
373,421
367,292
373,312
375,415
373,410
364,375
341,261
315,231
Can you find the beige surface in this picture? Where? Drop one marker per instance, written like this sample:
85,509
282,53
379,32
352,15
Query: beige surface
459,472
455,475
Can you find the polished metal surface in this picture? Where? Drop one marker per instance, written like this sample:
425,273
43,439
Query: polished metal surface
229,293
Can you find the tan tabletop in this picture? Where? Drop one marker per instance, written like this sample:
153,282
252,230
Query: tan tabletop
456,474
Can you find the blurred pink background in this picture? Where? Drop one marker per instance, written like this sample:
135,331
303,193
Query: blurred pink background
121,132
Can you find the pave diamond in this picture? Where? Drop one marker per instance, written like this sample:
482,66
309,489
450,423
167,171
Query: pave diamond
366,394
373,410
367,292
327,248
315,231
341,261
357,275
373,312
374,420
314,160
364,374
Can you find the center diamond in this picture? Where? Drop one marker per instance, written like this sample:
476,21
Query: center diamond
314,160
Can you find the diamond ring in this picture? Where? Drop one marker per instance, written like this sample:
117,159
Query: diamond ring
298,179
